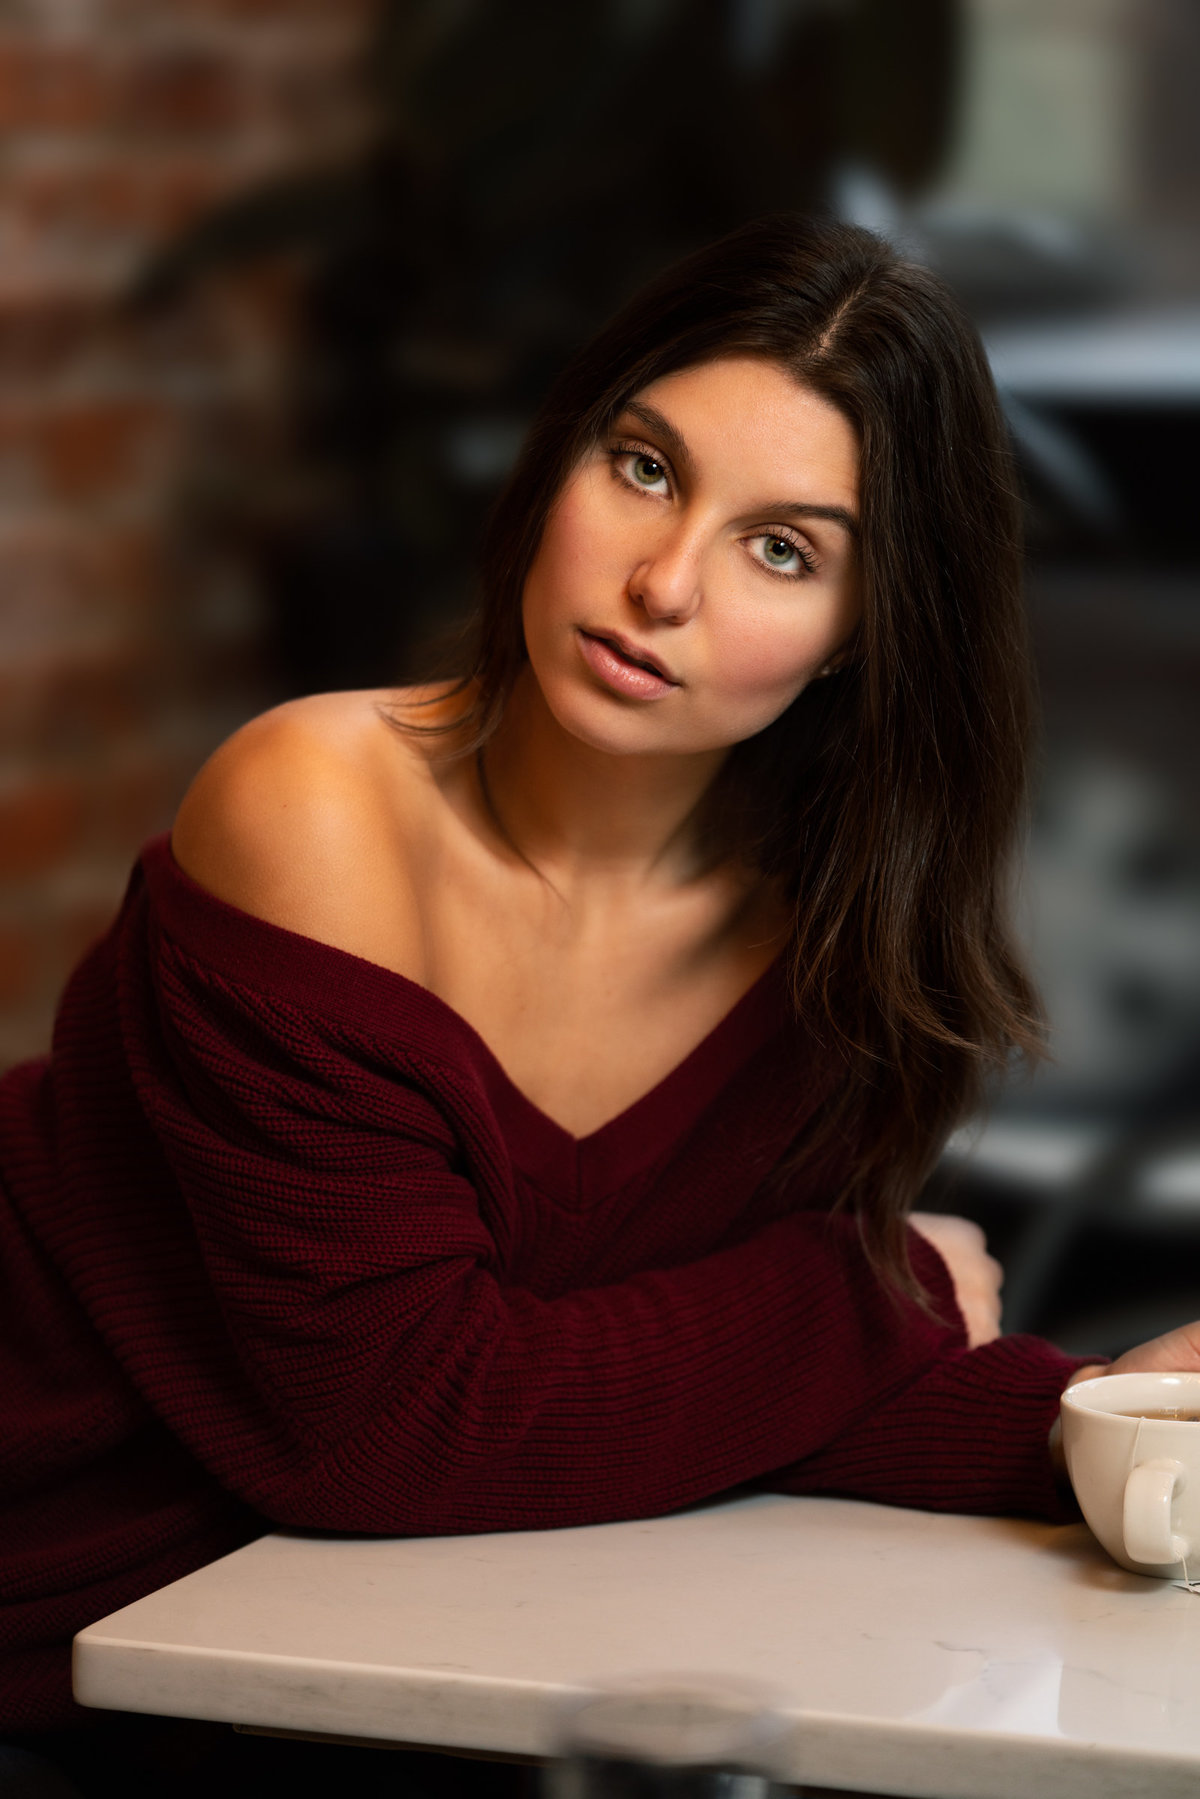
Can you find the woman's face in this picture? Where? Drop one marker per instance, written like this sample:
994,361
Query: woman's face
699,567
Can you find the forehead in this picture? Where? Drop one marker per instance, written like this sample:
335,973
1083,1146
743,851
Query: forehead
747,411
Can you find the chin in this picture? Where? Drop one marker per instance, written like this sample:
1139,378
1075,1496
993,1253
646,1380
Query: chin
613,730
606,725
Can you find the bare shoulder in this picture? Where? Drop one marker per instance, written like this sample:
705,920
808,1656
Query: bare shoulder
314,815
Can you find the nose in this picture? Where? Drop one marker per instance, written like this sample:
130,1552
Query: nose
666,583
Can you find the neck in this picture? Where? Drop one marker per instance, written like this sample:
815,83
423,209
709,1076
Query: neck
586,817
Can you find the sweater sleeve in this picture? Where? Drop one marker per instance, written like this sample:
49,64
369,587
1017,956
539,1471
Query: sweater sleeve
969,1434
308,1293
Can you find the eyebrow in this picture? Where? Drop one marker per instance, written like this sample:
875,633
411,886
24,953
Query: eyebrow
837,515
662,429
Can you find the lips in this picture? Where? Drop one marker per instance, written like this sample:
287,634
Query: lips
632,652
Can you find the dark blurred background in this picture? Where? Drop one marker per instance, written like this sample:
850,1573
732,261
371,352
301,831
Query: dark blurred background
282,283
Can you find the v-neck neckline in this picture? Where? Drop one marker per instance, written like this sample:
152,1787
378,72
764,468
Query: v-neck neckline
360,992
638,1134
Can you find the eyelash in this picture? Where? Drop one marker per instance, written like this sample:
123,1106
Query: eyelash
618,452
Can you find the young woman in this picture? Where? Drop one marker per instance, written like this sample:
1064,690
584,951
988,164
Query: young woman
499,1104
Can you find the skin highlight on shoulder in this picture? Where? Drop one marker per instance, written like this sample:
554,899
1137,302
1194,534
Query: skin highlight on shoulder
313,816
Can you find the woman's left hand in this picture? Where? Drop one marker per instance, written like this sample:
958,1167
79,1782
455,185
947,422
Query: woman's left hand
977,1276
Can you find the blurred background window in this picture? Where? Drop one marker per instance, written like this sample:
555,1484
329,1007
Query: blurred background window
1048,103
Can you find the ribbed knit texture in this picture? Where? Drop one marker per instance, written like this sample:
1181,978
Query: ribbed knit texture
282,1243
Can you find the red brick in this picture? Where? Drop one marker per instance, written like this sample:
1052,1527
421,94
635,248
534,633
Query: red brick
91,703
41,823
316,90
182,90
44,333
73,704
130,572
131,803
21,952
184,338
19,469
87,200
106,676
47,601
184,187
77,929
68,590
47,86
234,667
82,451
96,448
102,198
246,12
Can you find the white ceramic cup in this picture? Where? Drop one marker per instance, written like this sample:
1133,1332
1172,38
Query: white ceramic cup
1137,1479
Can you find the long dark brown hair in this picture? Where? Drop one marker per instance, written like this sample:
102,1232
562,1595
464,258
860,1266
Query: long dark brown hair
885,800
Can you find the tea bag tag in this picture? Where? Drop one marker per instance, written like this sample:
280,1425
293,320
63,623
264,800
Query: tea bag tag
1188,1585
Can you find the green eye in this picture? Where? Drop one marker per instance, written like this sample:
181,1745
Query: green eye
647,472
778,550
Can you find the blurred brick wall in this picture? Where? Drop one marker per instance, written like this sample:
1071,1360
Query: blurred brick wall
127,639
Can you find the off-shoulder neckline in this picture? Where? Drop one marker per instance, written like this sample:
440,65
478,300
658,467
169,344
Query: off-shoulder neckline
366,996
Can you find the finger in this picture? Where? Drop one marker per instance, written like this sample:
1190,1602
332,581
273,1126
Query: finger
1178,1351
949,1228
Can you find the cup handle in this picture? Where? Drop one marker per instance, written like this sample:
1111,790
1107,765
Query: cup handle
1149,1492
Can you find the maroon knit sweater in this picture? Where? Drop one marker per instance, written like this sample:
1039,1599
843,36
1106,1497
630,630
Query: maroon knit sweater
281,1242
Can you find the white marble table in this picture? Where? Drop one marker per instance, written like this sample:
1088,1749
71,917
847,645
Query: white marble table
958,1658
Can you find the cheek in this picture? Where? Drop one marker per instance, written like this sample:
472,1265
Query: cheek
764,662
566,554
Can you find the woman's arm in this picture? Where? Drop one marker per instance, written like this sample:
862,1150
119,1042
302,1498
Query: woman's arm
972,1433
